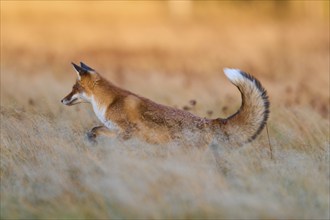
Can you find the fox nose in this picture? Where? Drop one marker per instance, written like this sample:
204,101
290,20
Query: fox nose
62,101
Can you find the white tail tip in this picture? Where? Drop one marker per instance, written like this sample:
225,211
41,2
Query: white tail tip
233,75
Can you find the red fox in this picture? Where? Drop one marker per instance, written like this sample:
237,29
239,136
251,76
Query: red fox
125,114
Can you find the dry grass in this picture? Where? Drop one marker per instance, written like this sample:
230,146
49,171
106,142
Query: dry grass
49,170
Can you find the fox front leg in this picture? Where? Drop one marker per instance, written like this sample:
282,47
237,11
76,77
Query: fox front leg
99,130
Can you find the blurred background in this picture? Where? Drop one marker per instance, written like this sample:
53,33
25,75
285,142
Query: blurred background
170,51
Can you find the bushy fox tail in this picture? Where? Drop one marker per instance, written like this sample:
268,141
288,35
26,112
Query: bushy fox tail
247,123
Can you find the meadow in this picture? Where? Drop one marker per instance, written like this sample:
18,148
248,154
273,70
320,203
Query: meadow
170,53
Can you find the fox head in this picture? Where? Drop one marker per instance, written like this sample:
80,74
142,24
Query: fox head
85,83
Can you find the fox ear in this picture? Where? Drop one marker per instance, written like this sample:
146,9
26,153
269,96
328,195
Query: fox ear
84,66
80,71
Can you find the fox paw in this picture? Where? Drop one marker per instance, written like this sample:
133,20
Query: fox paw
91,137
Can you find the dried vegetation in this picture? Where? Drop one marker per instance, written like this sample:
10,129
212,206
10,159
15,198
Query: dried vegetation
175,57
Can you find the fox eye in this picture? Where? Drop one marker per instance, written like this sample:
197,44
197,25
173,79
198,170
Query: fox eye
76,87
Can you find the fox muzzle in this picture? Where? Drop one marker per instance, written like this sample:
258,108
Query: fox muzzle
70,99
